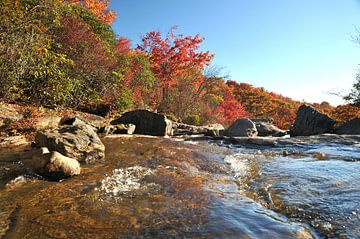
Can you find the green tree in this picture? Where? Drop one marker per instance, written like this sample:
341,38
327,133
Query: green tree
354,96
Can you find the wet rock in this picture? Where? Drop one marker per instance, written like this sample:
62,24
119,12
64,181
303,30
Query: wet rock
351,128
310,121
58,166
48,122
9,171
146,122
118,129
242,128
268,129
78,141
14,141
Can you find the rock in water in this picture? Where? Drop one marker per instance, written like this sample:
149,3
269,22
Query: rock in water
310,121
146,122
58,166
79,142
352,127
242,128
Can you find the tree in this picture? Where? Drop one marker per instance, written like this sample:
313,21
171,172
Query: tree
99,8
354,96
173,58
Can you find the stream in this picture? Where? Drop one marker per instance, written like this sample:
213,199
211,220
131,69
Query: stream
152,187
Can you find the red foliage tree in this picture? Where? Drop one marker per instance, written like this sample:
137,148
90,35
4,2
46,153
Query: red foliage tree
231,109
123,46
174,57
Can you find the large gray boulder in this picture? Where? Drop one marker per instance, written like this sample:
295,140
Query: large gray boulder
146,122
352,127
78,141
309,121
242,128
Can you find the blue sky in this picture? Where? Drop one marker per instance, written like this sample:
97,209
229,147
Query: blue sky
298,48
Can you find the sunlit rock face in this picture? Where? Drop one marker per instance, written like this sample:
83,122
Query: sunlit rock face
78,141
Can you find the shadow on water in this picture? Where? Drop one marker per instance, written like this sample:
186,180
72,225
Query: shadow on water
147,188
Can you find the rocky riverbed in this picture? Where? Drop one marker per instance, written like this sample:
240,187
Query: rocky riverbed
155,187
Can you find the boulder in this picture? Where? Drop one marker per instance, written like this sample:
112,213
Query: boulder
242,128
118,129
97,122
48,122
310,121
268,129
351,128
146,122
78,141
57,166
262,120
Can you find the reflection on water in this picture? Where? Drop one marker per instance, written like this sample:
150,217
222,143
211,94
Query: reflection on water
147,188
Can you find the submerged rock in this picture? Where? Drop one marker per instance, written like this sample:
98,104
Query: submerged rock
352,127
79,142
146,122
309,121
242,128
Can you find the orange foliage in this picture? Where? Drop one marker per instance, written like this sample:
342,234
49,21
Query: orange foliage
344,113
263,104
99,7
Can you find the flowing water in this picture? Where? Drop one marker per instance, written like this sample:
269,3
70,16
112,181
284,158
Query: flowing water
170,188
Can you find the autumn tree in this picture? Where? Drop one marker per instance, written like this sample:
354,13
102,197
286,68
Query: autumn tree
263,104
174,58
344,113
100,8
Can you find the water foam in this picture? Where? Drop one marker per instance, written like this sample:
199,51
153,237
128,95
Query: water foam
124,180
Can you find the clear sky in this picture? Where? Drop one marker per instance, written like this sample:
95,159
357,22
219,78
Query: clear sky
298,48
